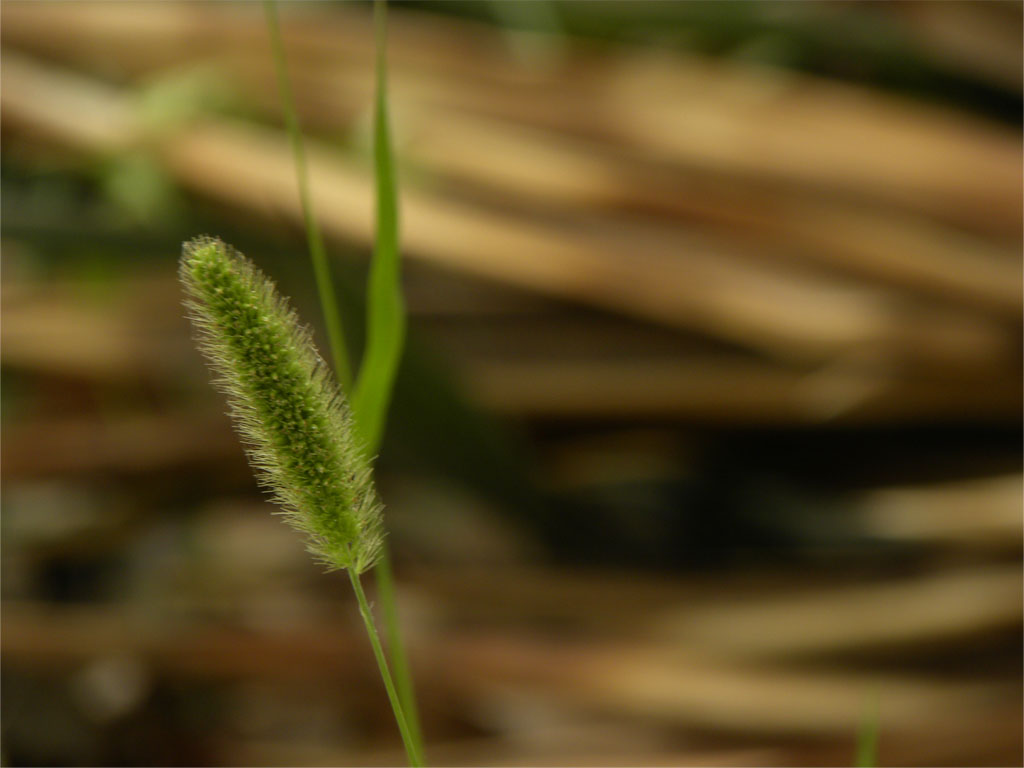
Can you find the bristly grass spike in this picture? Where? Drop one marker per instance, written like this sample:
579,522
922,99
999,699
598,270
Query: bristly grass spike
285,404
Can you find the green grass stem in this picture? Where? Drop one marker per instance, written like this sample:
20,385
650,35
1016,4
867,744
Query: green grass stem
867,737
399,658
411,748
317,252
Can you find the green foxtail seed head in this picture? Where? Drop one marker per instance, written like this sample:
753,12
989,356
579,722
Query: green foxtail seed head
284,403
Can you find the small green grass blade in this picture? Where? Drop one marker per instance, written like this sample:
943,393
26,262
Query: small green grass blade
867,738
385,320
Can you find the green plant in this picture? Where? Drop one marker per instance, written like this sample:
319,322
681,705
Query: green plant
302,438
293,419
385,323
867,737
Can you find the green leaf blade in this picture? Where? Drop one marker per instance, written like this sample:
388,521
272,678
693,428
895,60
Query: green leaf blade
386,317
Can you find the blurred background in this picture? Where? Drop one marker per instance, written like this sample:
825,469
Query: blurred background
707,440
